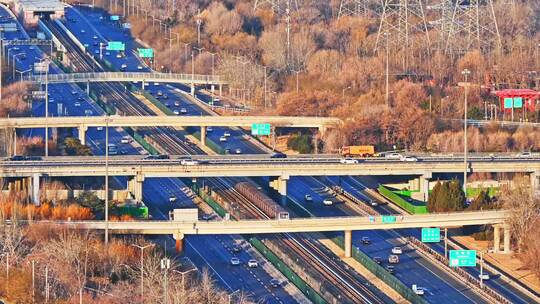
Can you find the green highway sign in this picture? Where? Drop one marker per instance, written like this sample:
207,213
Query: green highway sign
518,102
146,53
462,258
116,46
508,102
431,235
388,219
261,129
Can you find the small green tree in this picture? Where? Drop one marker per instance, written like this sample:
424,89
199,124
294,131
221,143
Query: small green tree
300,143
483,201
91,200
446,196
74,147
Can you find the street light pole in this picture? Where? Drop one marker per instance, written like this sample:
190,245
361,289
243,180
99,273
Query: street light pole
466,74
107,180
343,93
47,109
387,80
481,269
142,248
265,105
165,265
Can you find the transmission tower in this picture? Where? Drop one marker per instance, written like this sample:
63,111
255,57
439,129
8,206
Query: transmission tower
356,8
403,22
468,25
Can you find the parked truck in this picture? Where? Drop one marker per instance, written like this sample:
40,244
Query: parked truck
359,151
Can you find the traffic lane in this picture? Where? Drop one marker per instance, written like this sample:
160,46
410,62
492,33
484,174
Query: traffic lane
495,282
382,244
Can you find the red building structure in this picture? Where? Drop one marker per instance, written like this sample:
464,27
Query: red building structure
518,101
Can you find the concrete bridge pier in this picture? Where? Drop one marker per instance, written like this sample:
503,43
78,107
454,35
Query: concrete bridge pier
135,186
424,185
347,243
34,189
534,181
179,238
192,89
88,87
142,85
220,90
212,89
497,238
280,185
82,134
203,136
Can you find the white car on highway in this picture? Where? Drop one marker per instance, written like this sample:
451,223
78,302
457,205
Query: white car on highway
418,290
189,162
328,202
524,155
348,161
227,134
393,155
223,139
235,261
409,159
397,250
253,263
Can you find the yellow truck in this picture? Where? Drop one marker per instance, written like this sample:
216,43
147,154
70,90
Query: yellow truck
358,151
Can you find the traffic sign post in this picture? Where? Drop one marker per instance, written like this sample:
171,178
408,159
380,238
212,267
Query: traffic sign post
462,258
261,129
431,235
387,219
116,46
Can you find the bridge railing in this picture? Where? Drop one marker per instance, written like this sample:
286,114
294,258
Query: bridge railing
127,76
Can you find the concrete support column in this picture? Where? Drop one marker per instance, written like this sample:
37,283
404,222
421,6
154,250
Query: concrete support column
88,87
82,134
192,91
212,89
322,131
142,86
282,184
496,238
135,186
220,90
35,189
203,136
506,241
534,181
348,243
179,237
424,185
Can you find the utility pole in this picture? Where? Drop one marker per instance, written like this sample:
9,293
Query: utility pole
387,78
142,248
199,22
466,74
297,81
265,87
165,265
288,20
47,109
33,281
107,179
482,269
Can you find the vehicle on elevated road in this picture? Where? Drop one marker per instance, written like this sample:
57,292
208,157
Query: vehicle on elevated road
235,261
409,159
524,154
278,155
253,263
393,259
393,155
308,198
156,157
189,162
358,151
348,161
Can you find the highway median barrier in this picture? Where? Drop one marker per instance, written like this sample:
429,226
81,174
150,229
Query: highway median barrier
401,202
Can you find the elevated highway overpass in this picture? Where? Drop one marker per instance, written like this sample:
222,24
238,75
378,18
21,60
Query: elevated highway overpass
82,123
137,168
347,224
145,77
